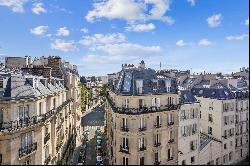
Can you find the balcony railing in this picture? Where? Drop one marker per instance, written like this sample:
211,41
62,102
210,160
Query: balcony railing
142,110
157,144
170,123
46,138
157,163
47,160
143,148
171,141
170,158
24,151
124,149
30,121
124,129
142,129
157,126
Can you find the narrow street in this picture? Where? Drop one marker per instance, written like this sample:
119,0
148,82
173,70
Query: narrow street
93,123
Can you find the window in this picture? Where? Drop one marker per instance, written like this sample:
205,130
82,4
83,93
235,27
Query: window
210,118
125,161
193,145
230,156
170,135
183,162
157,157
141,103
170,119
142,123
141,143
231,143
23,112
192,159
217,161
210,130
224,159
26,140
168,85
225,146
54,103
139,86
142,161
170,100
157,139
124,122
241,153
158,121
125,143
1,82
126,103
46,152
194,129
1,159
156,102
170,153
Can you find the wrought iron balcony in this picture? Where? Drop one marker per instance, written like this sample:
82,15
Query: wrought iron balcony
170,123
171,141
170,158
157,163
47,160
124,149
142,110
30,121
142,129
157,144
46,138
143,148
124,129
157,126
24,151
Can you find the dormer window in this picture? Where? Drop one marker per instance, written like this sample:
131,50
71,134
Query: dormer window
139,86
168,85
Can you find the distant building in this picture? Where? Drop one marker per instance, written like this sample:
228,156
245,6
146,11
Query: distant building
17,62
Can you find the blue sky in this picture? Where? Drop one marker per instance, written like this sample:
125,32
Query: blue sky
100,35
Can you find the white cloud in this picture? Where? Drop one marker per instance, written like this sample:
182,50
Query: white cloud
247,22
14,5
63,32
85,30
140,27
240,37
182,43
131,10
100,39
40,30
214,20
64,46
38,8
204,42
192,2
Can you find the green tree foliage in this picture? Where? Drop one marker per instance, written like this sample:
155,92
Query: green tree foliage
84,95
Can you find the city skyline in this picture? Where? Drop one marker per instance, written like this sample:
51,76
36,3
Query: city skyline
98,36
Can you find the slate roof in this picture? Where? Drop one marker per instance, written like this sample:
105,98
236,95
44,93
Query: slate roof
126,83
187,97
217,91
187,82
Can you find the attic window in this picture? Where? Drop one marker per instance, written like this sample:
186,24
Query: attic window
213,93
226,93
185,96
201,92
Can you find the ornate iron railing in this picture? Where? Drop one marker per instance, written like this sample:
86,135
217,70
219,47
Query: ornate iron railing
46,138
24,151
30,121
47,160
142,110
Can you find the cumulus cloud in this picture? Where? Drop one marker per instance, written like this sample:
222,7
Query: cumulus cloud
192,2
14,5
239,37
85,30
65,46
140,27
115,48
214,20
63,32
100,39
204,42
40,30
182,43
131,10
38,8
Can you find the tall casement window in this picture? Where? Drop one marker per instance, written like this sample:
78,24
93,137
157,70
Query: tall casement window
156,102
139,86
170,153
142,161
141,142
157,140
54,103
141,103
125,143
1,83
23,112
1,116
124,122
40,109
142,123
170,119
170,101
125,161
157,157
26,140
126,103
158,121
